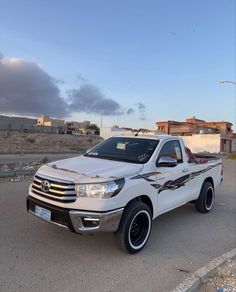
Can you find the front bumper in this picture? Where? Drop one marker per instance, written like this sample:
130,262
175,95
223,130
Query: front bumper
79,221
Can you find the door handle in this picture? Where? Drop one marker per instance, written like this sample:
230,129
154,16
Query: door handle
185,170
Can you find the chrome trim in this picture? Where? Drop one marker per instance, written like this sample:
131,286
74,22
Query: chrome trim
108,221
56,185
49,221
91,219
68,198
56,191
166,161
60,189
35,179
62,192
63,187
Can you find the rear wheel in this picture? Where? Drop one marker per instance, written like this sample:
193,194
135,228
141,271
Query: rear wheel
205,201
135,227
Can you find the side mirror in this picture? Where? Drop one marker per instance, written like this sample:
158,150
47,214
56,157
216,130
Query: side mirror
166,161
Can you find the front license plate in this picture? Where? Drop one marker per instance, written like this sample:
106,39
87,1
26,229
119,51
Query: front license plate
43,213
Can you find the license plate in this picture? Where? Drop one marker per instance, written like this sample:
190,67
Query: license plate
43,213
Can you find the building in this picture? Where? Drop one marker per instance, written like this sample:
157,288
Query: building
77,127
194,126
108,132
46,121
200,136
65,126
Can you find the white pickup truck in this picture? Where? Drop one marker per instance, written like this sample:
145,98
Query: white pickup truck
121,185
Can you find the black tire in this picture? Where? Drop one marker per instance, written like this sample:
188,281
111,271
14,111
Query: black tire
205,201
135,227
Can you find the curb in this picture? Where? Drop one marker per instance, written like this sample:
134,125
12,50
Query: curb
193,283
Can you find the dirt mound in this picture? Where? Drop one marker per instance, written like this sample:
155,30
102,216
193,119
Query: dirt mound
15,142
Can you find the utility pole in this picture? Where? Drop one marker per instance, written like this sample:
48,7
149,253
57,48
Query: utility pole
101,122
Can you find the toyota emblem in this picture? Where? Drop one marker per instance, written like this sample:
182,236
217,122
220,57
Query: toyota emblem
45,186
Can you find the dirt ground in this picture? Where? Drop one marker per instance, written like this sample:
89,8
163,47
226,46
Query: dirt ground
15,142
224,279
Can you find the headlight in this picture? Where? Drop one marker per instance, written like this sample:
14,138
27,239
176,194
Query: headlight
101,190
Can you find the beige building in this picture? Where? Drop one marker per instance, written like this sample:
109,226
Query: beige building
200,136
71,126
78,127
107,132
48,122
194,126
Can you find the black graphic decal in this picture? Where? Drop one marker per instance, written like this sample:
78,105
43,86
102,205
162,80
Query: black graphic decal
156,186
173,184
146,176
180,182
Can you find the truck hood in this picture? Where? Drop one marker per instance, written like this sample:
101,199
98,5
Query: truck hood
88,169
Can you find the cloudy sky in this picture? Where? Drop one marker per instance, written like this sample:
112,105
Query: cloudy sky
134,62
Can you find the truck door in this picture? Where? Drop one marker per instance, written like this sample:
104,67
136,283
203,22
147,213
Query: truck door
172,182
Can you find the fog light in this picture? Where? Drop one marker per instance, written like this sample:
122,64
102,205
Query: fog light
90,222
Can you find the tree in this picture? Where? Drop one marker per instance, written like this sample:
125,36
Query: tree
94,127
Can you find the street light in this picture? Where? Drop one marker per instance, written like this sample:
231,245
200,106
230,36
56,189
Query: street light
227,81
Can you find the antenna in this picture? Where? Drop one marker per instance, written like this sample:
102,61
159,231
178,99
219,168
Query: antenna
138,132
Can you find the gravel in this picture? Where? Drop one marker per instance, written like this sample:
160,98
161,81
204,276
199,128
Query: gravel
224,279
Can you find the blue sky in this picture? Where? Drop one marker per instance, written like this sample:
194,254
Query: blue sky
168,55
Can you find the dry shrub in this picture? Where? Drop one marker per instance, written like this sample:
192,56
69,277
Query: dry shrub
44,160
30,139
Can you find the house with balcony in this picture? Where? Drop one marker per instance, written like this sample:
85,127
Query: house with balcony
199,135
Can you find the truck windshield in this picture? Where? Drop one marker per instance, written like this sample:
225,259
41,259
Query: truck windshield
133,150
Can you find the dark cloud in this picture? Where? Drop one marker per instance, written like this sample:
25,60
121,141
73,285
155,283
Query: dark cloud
89,99
58,81
26,89
141,107
142,110
130,111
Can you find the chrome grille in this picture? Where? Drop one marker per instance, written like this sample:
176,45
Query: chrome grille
60,191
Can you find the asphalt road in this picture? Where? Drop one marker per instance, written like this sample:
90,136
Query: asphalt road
37,256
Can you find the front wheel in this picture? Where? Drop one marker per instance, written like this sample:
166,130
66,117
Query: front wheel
205,201
135,227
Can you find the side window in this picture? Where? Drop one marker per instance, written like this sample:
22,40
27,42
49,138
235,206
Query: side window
172,149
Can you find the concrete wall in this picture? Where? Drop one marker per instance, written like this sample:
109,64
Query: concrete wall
107,132
233,144
203,142
16,123
44,129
